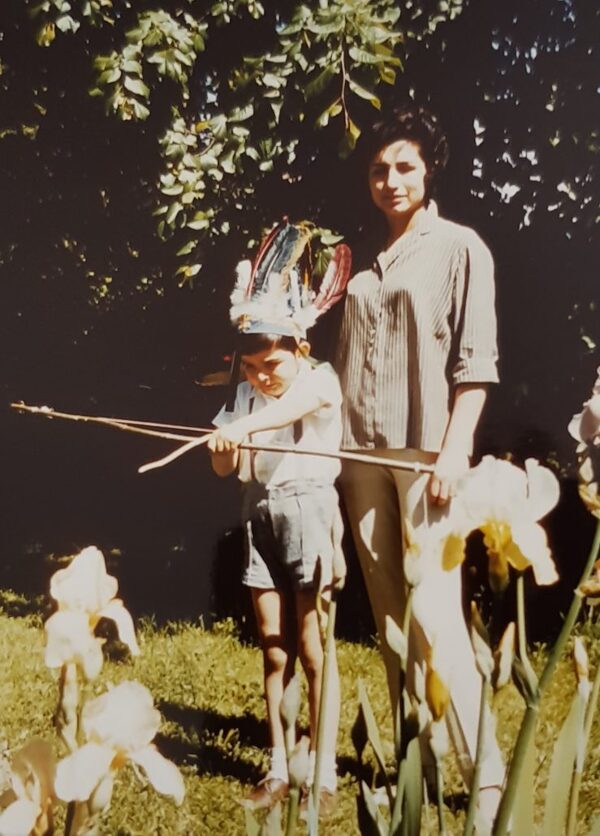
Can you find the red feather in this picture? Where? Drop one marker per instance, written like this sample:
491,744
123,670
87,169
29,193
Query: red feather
335,279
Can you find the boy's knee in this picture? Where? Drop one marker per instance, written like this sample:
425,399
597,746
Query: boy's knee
311,658
276,657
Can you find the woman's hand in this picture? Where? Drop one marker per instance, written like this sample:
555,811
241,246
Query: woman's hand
453,461
451,465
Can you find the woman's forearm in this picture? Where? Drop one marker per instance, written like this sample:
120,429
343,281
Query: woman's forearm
469,400
453,460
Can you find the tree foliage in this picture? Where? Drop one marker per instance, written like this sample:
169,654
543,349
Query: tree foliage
238,123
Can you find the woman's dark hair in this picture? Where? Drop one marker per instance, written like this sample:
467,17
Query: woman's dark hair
415,124
253,343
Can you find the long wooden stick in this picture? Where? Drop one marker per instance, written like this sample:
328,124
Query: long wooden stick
142,427
195,442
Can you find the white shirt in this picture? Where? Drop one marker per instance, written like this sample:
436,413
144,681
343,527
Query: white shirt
416,325
321,430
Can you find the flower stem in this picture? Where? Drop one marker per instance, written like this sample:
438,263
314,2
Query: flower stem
522,634
399,801
292,816
574,609
475,781
578,774
328,653
439,786
530,719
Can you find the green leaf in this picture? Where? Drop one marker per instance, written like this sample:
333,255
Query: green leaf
523,810
362,56
561,770
67,24
329,238
413,793
208,161
131,66
272,823
371,725
271,80
396,639
364,93
218,125
350,138
318,84
201,220
136,86
187,248
226,162
326,28
276,108
174,210
239,114
188,271
252,826
172,190
140,110
109,76
334,109
387,74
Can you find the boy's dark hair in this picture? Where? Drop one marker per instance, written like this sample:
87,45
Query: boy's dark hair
415,124
253,343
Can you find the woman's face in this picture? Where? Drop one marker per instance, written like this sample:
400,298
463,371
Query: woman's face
397,180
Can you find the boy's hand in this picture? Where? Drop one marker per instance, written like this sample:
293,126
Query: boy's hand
227,439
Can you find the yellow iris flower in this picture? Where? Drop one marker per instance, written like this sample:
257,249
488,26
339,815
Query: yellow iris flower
505,502
118,728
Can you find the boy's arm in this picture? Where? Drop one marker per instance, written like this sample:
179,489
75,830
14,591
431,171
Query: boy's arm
290,407
224,462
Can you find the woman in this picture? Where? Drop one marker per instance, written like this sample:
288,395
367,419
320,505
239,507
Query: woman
417,349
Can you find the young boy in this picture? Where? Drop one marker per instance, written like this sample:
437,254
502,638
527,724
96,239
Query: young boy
291,516
290,507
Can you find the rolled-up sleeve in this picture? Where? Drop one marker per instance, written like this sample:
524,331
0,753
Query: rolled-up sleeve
476,351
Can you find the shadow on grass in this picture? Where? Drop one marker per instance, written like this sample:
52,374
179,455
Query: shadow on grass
211,742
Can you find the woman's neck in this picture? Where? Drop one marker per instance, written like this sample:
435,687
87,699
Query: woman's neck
397,227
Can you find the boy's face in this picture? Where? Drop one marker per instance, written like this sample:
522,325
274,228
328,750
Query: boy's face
272,370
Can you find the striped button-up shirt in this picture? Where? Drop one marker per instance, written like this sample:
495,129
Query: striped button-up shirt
416,325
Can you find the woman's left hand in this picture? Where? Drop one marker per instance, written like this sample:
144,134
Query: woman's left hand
451,465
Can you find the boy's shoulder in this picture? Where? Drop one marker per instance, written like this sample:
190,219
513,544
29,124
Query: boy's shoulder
322,378
322,373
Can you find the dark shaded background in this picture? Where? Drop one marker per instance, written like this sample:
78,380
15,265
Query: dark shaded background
77,191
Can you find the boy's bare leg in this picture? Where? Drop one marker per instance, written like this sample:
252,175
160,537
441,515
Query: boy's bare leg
310,651
279,654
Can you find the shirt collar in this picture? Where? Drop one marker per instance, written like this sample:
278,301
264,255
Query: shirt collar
422,223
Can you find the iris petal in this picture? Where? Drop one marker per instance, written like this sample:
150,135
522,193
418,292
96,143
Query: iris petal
164,776
78,775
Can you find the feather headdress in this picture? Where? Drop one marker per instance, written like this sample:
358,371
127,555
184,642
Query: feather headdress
274,293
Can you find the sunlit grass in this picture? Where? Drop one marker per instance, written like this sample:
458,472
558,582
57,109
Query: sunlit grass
208,687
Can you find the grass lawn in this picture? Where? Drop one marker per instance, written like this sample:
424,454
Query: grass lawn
208,688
